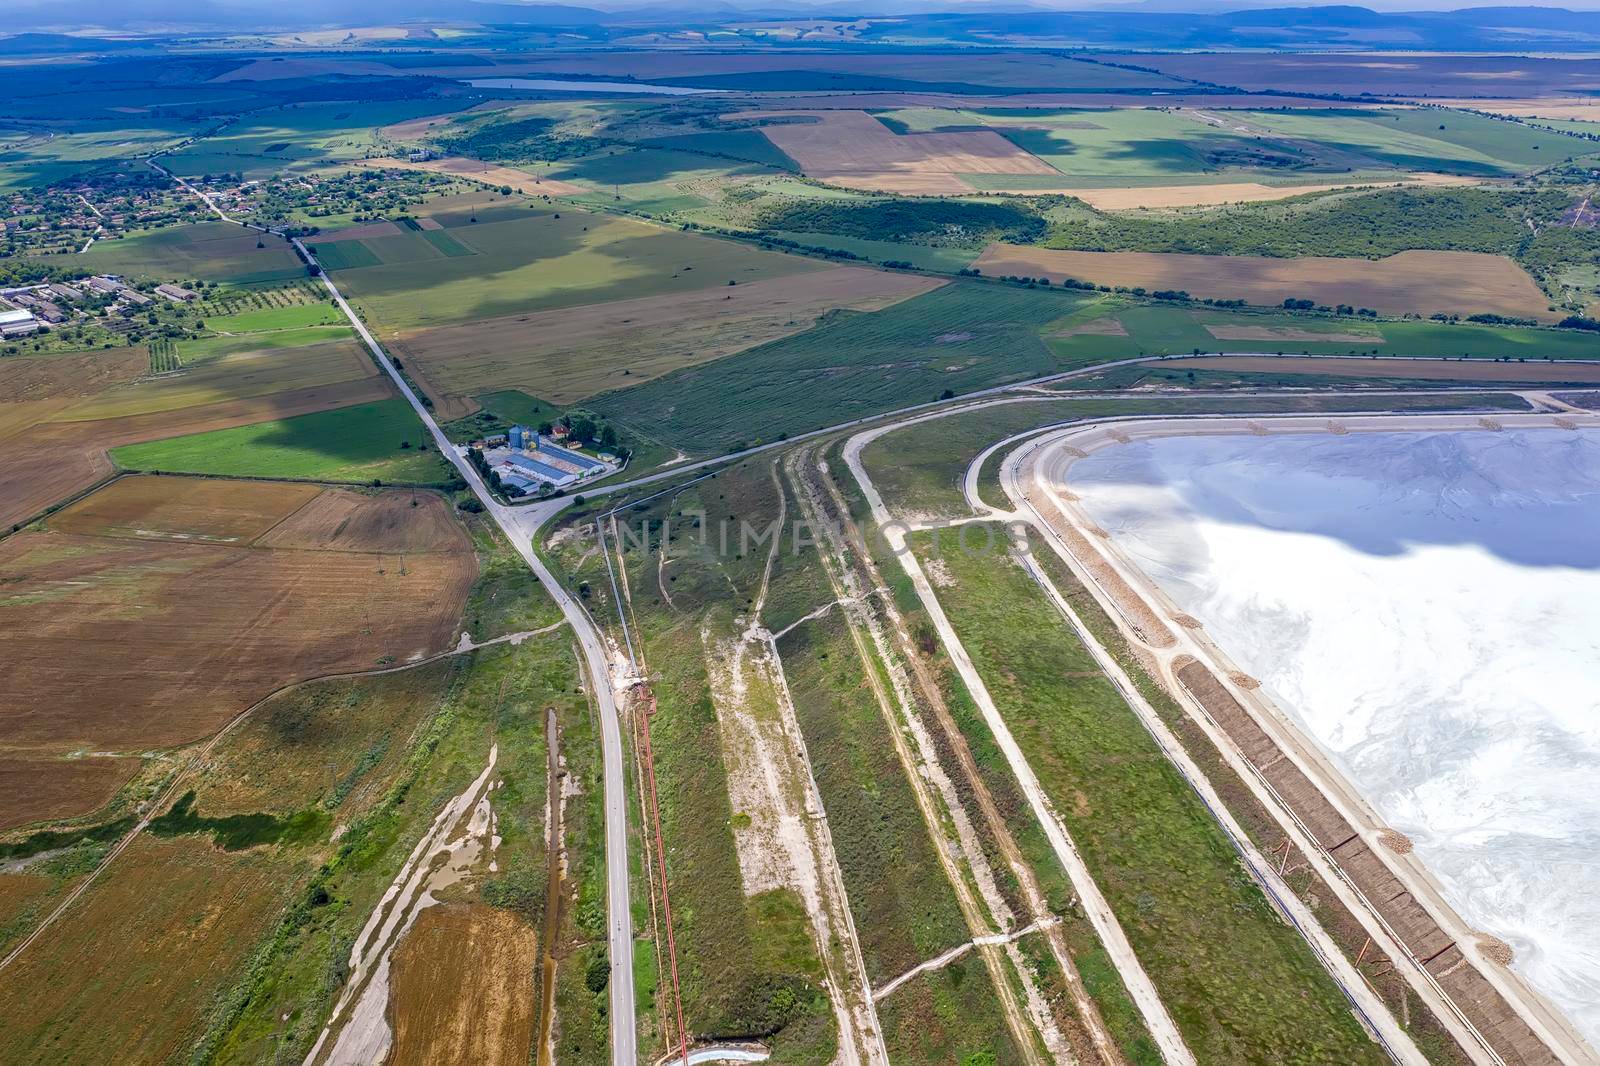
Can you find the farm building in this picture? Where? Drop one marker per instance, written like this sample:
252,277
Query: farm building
528,460
17,323
176,293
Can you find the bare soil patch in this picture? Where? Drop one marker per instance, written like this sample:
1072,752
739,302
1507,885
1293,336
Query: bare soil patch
356,233
568,354
462,989
1285,333
1421,369
30,378
488,173
1424,282
1099,327
117,641
183,509
853,149
346,520
52,456
34,790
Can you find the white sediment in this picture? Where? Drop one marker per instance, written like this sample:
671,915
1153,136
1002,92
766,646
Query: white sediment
1427,606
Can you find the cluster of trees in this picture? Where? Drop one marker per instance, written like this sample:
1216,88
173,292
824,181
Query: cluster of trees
588,431
491,476
912,221
533,138
1378,224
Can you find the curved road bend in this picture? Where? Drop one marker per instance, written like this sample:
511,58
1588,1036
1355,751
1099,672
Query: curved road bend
520,526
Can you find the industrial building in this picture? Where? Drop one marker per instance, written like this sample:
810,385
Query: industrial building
528,460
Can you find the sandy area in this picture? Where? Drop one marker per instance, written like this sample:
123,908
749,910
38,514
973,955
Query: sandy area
1306,554
1420,282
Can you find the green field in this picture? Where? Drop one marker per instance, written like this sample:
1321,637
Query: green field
960,337
200,349
343,255
359,443
1241,983
545,259
309,135
939,258
1154,329
276,318
207,251
1132,147
659,181
83,147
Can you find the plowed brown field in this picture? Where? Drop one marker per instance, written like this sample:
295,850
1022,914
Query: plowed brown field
54,437
853,149
463,988
153,611
1423,282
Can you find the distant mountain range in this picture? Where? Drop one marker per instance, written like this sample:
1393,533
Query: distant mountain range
1134,24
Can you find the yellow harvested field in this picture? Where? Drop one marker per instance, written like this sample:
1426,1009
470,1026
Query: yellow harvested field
1426,283
463,988
487,173
346,520
567,354
34,378
155,610
131,973
192,509
1558,372
853,149
1160,196
1283,333
232,377
56,445
1580,108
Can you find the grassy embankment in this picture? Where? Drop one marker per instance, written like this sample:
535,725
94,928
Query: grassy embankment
1240,983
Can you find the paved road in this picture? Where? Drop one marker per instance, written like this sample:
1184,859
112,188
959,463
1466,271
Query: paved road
520,526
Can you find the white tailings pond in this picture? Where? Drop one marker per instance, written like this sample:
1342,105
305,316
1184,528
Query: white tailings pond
1426,605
